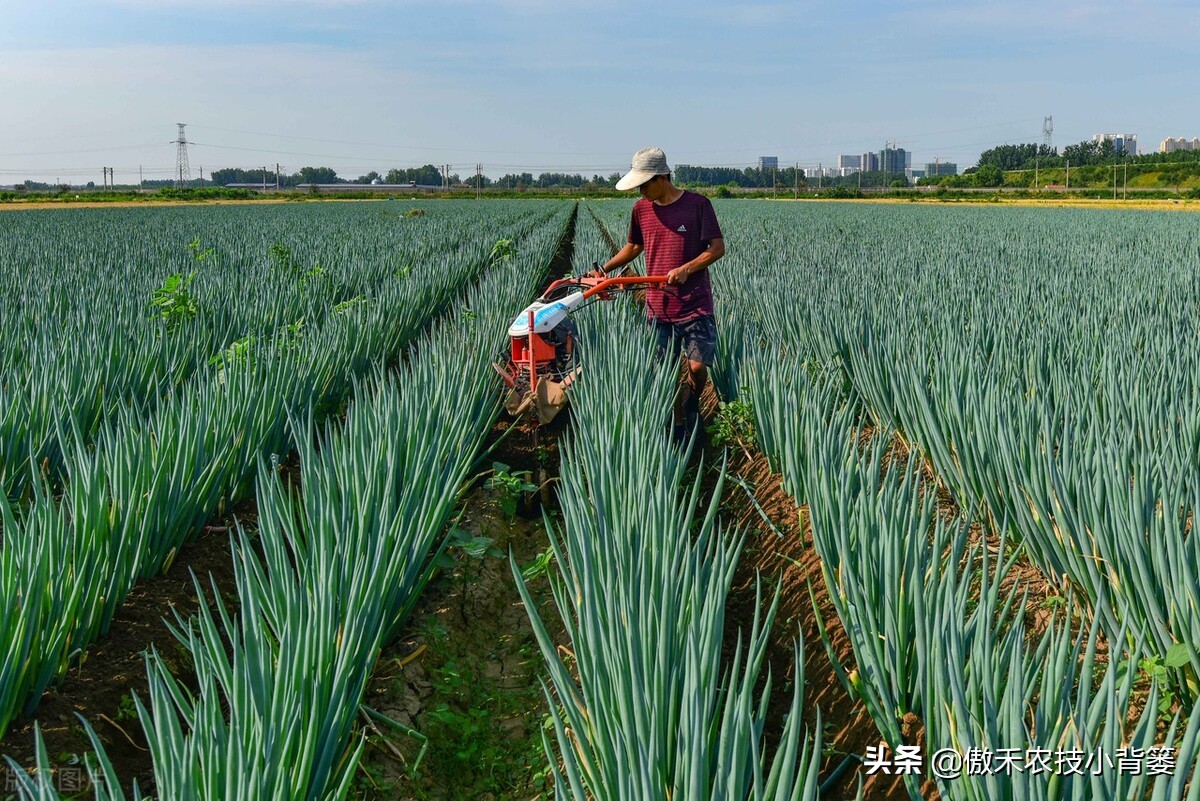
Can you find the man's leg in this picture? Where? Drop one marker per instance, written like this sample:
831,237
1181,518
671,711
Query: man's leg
700,347
695,376
670,346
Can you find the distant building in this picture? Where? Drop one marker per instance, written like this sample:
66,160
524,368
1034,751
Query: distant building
768,162
851,163
869,162
1170,145
1125,144
914,174
939,168
893,160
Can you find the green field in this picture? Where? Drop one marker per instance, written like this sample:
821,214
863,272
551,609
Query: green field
961,444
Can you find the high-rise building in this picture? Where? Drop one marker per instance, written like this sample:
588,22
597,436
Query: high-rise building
1170,145
852,163
941,168
768,162
893,160
1125,144
869,162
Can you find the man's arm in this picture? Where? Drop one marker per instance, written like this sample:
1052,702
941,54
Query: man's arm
716,249
623,257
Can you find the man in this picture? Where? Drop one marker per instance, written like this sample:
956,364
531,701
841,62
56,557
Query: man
679,233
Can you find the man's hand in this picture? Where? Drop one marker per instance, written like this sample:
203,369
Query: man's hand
677,276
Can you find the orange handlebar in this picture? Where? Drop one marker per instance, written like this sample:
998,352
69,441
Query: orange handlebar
623,280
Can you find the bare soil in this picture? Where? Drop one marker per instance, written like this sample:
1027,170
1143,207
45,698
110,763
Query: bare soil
466,672
778,553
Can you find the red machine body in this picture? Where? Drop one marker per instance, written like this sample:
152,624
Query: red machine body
542,341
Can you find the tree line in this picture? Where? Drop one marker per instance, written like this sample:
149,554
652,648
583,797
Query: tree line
1089,162
1084,154
427,175
990,171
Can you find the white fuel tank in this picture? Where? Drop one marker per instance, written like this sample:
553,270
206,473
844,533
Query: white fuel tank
546,316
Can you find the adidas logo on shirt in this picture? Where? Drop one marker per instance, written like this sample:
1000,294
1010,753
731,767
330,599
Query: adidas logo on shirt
682,229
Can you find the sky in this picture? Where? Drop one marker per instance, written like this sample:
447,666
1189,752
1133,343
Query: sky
574,85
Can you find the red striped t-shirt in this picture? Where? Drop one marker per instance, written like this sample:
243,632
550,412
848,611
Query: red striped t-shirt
673,235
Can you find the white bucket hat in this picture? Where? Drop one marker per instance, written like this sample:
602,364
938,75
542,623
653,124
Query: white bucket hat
647,163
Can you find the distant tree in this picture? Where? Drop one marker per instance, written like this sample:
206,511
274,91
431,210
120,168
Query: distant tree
319,175
712,176
989,175
368,178
956,181
549,180
427,175
1017,157
1175,176
518,182
233,175
1082,154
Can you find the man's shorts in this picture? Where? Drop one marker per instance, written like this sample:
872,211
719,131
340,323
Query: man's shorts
696,337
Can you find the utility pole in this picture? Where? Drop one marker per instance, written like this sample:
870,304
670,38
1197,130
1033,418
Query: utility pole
796,178
820,174
277,175
201,175
1114,180
1068,176
478,181
264,186
774,183
140,180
